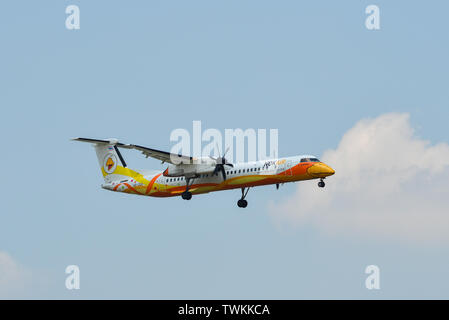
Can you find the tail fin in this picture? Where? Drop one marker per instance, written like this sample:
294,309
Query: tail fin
112,164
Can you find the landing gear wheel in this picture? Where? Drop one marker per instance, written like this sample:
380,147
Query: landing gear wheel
186,195
321,184
242,203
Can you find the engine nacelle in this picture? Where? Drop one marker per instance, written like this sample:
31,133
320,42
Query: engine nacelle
190,170
173,171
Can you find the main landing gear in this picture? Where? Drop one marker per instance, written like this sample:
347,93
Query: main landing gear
321,184
242,203
187,195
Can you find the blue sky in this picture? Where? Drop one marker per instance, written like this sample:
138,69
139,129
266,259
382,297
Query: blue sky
136,71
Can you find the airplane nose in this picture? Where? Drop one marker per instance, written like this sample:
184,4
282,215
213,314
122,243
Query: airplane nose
320,170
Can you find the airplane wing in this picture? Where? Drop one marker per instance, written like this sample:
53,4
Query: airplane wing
160,155
148,152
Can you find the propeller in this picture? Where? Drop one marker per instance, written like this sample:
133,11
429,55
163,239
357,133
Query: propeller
220,163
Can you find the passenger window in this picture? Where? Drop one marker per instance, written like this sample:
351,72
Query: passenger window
310,160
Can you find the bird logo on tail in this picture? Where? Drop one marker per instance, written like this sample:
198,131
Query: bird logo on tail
110,163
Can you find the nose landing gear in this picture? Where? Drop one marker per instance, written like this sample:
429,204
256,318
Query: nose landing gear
242,203
321,184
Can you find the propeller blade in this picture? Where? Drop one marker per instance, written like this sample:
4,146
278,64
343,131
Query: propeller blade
227,149
218,150
221,162
223,172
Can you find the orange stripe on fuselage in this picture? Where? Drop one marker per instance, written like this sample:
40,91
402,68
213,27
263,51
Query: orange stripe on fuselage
150,185
131,188
296,173
301,168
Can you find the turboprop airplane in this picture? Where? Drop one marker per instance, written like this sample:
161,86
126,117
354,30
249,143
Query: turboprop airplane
186,176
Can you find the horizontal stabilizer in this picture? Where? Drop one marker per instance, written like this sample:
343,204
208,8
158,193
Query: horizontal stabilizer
97,141
148,152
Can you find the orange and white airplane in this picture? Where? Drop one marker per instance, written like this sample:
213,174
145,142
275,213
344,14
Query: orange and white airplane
187,176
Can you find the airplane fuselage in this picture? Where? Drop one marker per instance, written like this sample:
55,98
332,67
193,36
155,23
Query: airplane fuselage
241,175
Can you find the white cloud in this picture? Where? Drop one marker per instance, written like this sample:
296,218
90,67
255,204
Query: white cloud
389,183
13,276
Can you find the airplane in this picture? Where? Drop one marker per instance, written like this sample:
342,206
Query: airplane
186,176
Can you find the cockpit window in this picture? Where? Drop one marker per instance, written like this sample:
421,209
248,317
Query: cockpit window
310,160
